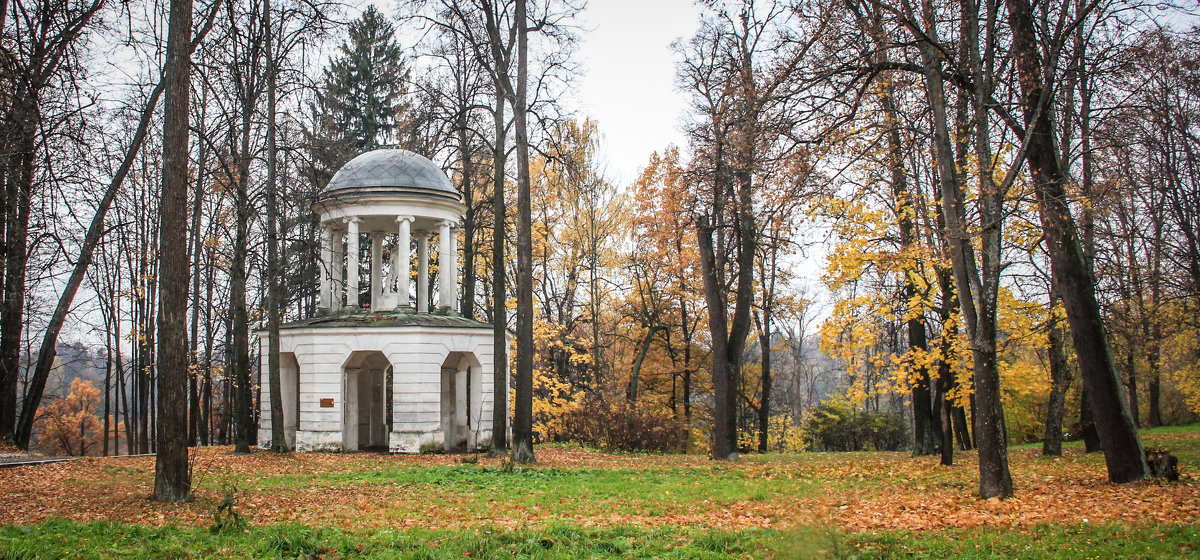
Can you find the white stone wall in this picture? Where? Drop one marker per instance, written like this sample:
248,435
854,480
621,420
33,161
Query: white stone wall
416,354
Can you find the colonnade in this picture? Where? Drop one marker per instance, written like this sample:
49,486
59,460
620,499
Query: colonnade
392,290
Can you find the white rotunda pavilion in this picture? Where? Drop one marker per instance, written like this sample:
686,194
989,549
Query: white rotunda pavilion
379,367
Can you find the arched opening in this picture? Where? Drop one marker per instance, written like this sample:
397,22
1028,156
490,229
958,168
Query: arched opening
367,413
462,400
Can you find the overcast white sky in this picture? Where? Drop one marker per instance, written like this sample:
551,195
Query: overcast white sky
628,85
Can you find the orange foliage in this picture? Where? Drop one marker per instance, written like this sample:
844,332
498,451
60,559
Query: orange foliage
69,426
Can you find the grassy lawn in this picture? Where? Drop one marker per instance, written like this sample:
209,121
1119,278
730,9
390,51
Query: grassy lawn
577,503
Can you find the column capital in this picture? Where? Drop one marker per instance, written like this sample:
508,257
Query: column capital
409,219
352,220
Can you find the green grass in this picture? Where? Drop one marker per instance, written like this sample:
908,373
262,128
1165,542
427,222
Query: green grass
1101,541
66,540
562,491
488,501
59,539
1179,440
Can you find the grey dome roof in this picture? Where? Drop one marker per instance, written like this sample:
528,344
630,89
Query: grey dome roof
391,170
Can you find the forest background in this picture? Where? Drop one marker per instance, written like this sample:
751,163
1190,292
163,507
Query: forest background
889,136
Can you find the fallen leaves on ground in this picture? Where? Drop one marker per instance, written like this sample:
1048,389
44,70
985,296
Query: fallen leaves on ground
858,492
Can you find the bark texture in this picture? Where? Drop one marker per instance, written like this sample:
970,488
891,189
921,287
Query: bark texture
172,476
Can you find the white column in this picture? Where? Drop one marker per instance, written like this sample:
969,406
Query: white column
376,270
453,266
326,269
338,287
422,272
445,266
352,255
402,260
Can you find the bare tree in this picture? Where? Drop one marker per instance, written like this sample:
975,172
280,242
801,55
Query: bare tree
41,57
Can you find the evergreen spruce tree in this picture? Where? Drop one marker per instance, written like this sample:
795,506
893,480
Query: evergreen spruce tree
363,102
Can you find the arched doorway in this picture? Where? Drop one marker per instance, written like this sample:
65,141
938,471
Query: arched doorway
367,413
462,400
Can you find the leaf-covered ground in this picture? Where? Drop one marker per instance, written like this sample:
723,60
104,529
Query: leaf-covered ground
852,494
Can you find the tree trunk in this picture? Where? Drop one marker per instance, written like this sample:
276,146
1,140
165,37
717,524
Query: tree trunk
1114,424
1154,387
946,381
499,288
923,419
1131,376
724,444
108,369
172,473
274,268
1059,382
17,195
239,327
687,354
1153,331
764,410
1087,427
523,411
467,304
631,393
976,295
194,243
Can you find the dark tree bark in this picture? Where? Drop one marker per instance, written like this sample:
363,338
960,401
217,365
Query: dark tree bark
17,196
724,444
239,361
1152,326
1114,424
522,450
499,287
274,269
764,410
470,219
1087,427
946,380
1060,381
172,473
1131,384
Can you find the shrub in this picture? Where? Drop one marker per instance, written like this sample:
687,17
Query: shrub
617,424
225,516
838,426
